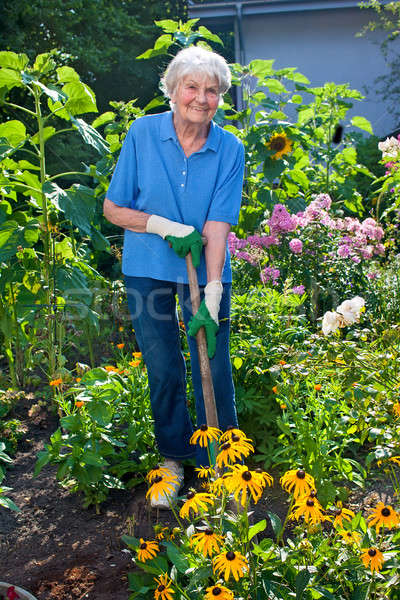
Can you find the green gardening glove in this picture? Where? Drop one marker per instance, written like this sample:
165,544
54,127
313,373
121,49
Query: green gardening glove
182,238
190,243
203,319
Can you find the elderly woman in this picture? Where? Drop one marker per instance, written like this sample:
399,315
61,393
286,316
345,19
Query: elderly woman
179,177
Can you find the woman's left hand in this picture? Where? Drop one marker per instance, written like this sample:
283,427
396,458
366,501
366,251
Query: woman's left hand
207,315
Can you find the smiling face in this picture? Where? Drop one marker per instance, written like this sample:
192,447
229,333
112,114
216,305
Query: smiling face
196,99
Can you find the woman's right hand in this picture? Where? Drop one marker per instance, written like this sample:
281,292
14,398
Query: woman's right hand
182,238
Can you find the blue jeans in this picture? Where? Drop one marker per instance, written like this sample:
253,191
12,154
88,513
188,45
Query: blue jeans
153,311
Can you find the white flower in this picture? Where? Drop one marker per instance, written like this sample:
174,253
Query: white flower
331,321
351,309
389,148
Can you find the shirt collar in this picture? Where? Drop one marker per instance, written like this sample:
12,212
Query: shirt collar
167,132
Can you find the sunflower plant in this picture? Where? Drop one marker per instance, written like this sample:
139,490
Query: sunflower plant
320,550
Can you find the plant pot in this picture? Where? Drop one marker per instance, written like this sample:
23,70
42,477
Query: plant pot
23,594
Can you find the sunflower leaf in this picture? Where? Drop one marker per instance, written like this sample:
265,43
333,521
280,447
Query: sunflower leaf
275,522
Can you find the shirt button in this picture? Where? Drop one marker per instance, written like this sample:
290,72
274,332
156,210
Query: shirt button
183,172
182,185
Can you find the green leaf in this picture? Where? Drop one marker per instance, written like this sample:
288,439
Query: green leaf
324,593
91,136
297,99
81,99
67,74
100,412
57,108
237,362
300,78
302,579
43,458
11,60
106,117
9,78
349,155
361,592
300,178
160,47
63,250
7,503
362,123
72,423
273,168
261,68
275,522
90,458
254,529
13,131
177,557
78,203
305,115
48,133
207,35
44,63
167,25
275,86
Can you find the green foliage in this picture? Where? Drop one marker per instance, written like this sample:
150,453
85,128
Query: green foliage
105,440
4,501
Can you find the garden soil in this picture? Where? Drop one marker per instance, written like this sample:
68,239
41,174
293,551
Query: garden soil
58,550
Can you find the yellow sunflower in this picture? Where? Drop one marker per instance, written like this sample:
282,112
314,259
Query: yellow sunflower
229,563
206,542
383,516
242,481
373,558
147,550
341,513
163,590
204,472
196,503
351,537
204,435
218,592
310,509
280,144
161,486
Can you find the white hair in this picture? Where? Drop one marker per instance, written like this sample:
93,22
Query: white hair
196,59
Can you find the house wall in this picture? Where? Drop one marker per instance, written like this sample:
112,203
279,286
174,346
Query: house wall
322,45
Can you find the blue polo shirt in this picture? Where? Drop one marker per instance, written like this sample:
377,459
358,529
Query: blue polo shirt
153,175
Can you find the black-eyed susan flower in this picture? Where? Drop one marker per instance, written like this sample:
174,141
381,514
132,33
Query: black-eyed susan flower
372,558
395,459
204,472
160,531
196,503
351,537
229,563
227,435
147,550
310,509
229,452
218,592
163,590
298,482
161,486
341,513
218,486
383,516
240,480
268,479
280,144
204,435
206,542
160,471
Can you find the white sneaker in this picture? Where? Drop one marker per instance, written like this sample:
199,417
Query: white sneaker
164,500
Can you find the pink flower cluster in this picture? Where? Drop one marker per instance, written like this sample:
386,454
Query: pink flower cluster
270,273
356,240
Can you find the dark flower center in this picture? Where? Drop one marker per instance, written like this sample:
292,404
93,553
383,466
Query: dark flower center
372,552
230,555
203,427
157,466
313,493
190,495
310,502
225,446
216,591
385,512
338,511
209,531
235,438
301,474
246,475
161,588
143,546
157,479
278,143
